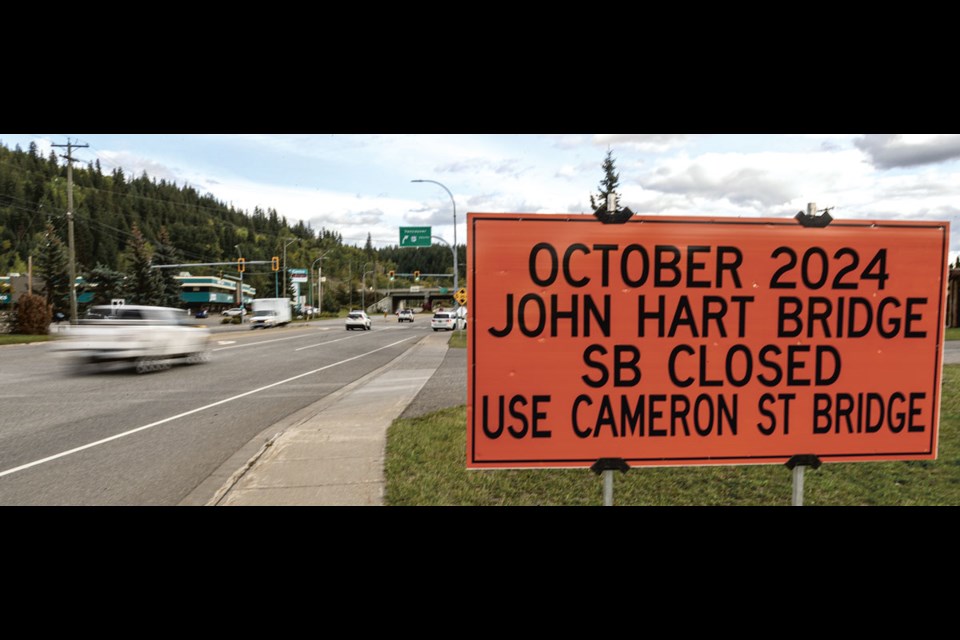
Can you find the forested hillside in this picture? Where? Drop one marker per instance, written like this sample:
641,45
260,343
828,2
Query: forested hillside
124,223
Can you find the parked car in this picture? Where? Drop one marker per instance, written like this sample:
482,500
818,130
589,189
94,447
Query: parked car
358,320
202,313
445,320
405,315
236,311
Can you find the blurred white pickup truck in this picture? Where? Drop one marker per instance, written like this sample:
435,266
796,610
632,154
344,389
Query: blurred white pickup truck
149,338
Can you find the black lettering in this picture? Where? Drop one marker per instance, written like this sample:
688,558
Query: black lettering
605,418
729,259
683,316
487,431
679,408
629,418
748,367
556,315
656,413
783,315
822,315
523,316
716,315
771,364
620,380
518,433
909,331
703,370
538,416
582,282
819,366
645,262
604,374
914,411
821,409
852,330
793,365
693,266
666,264
499,333
896,426
742,322
891,330
605,249
767,430
554,264
582,398
590,310
672,365
659,315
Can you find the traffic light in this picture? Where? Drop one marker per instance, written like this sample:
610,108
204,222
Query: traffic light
392,273
241,264
416,276
275,263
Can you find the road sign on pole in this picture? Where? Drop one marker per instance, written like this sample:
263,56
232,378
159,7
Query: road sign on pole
415,236
675,341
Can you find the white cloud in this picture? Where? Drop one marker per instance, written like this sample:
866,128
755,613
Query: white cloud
890,151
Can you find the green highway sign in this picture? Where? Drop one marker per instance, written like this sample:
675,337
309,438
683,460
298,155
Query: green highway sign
415,237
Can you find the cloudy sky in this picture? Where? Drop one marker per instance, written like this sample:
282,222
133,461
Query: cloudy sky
361,183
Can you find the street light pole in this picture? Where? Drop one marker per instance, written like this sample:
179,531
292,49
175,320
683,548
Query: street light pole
363,287
456,269
237,247
285,292
319,284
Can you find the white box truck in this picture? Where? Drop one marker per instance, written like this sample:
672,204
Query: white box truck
270,312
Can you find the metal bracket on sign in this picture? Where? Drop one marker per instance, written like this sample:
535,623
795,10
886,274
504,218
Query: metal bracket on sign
607,466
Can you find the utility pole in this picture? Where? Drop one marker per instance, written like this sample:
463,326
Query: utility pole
73,256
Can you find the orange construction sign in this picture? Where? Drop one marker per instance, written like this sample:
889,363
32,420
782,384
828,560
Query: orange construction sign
699,341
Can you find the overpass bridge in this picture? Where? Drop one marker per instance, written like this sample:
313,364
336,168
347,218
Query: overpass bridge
392,299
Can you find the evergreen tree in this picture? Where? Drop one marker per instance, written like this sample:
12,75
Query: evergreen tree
609,184
146,287
53,265
107,285
167,254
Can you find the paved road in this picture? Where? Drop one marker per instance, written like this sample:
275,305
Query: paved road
117,438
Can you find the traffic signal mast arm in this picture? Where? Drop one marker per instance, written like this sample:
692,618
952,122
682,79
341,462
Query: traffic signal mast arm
422,275
207,264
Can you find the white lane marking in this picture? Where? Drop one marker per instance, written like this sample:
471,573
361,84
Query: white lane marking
320,344
90,445
254,344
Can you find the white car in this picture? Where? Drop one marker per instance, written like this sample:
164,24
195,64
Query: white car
263,319
150,338
405,315
446,320
238,311
358,320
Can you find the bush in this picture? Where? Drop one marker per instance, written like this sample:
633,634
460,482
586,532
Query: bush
32,316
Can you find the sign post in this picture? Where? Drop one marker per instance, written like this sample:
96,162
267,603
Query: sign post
682,341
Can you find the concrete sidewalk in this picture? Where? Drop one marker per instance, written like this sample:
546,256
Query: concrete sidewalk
332,454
